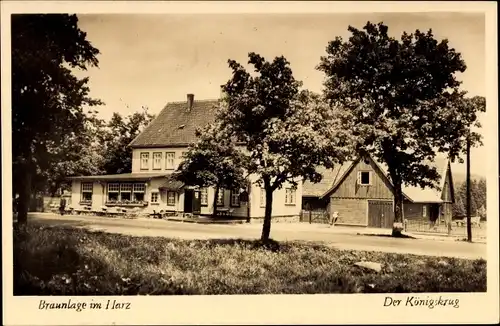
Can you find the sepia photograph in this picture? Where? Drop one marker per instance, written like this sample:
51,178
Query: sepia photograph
203,154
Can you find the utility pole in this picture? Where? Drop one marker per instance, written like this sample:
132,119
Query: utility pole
468,200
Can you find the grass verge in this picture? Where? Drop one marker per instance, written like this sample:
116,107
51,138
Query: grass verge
67,261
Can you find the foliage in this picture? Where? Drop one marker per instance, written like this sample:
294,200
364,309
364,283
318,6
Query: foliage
402,100
213,161
116,137
285,132
478,198
48,100
65,261
78,154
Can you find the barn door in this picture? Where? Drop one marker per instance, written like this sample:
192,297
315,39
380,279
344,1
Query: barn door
380,214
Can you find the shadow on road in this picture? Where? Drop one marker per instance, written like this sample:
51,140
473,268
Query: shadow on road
58,222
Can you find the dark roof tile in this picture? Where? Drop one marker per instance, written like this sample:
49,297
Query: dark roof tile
176,125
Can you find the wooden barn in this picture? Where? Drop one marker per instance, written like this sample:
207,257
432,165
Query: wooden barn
361,194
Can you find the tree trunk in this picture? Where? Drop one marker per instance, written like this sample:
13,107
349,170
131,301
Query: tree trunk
24,195
397,226
266,228
214,212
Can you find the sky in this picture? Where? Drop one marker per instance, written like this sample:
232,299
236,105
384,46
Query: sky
148,60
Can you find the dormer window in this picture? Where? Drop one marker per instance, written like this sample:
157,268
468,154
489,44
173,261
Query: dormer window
364,178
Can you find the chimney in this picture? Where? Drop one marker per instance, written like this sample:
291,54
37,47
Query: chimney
190,100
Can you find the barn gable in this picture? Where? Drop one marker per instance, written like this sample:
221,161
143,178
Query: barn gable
363,179
447,189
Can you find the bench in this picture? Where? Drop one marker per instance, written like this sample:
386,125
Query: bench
225,211
162,213
170,213
83,211
113,211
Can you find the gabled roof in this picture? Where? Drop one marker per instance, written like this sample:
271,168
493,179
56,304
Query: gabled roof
332,179
171,183
425,195
176,124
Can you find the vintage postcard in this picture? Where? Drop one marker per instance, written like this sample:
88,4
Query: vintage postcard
249,162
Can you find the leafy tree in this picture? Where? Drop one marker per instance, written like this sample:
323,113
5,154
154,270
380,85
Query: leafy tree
478,198
285,133
48,100
213,161
116,137
482,198
402,101
78,154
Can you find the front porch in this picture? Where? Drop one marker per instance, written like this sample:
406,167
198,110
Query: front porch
147,194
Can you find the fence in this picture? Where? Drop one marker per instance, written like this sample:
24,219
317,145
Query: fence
457,229
316,216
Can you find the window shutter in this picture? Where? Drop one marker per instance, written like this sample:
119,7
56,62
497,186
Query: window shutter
359,177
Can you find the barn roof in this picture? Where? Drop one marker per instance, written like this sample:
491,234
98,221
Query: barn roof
176,124
333,177
330,178
425,195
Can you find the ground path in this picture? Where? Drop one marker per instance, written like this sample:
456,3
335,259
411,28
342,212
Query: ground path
336,237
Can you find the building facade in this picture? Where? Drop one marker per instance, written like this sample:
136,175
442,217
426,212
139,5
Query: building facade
156,153
361,194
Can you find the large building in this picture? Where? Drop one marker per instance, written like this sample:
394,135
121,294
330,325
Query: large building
156,154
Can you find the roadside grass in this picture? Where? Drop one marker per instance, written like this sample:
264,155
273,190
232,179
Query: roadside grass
68,261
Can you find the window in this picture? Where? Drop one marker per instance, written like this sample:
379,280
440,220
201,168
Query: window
126,191
204,196
364,178
157,160
87,191
220,197
154,197
169,159
170,198
113,191
424,210
289,196
262,197
235,198
139,189
144,161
